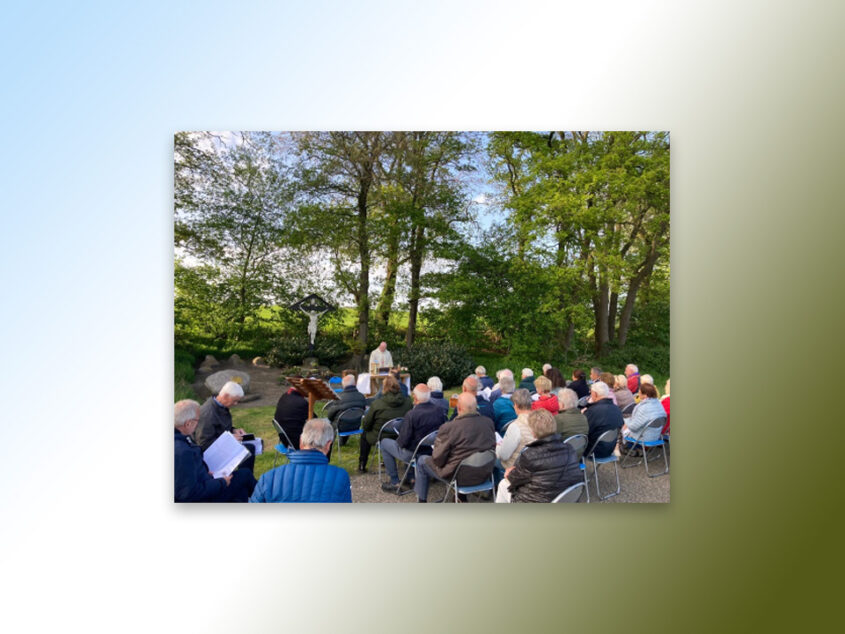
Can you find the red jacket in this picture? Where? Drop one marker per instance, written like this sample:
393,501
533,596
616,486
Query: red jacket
634,383
548,402
665,403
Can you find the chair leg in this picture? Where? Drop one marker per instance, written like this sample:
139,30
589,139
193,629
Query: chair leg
586,482
665,465
628,455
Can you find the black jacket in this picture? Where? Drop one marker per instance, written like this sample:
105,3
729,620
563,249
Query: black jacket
580,387
419,423
601,416
544,469
214,420
291,414
350,397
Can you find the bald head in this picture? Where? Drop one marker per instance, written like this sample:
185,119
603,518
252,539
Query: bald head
422,393
471,384
467,403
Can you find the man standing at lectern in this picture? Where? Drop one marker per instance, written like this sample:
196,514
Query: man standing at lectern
381,356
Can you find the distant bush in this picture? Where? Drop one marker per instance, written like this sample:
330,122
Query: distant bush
289,351
183,374
447,360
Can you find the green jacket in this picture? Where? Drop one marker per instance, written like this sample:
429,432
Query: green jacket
389,406
570,422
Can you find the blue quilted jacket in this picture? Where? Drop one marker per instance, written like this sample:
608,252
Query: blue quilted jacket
308,478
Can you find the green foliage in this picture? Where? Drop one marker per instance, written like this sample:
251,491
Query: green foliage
184,375
444,359
289,351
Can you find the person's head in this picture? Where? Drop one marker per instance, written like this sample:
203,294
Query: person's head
348,371
542,423
647,378
521,400
666,388
421,393
507,384
382,346
471,384
390,385
647,390
435,384
595,374
599,390
608,379
577,375
504,372
480,371
186,415
621,382
527,372
543,385
467,403
567,399
631,369
546,368
554,375
230,394
318,434
348,380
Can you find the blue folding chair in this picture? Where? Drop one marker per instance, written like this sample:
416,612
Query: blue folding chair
336,383
572,494
637,441
352,415
579,443
609,436
480,459
281,448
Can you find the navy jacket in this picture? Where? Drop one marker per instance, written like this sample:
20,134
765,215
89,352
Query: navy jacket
437,399
485,408
419,423
193,482
601,416
580,387
308,478
486,381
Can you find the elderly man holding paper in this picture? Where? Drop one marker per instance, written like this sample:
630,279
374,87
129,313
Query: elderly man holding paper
192,479
215,418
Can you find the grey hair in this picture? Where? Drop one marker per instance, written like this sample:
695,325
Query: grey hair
647,378
230,388
546,366
348,380
471,383
422,394
601,390
435,384
184,411
633,367
521,399
316,433
504,372
481,370
567,399
595,369
507,384
526,372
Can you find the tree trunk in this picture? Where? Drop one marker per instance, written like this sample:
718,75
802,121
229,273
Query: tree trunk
611,315
601,316
414,295
633,287
364,275
389,291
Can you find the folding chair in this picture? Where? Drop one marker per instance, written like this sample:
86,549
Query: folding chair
579,443
393,426
609,436
481,459
281,448
428,441
637,441
505,428
628,409
582,402
352,415
572,494
336,383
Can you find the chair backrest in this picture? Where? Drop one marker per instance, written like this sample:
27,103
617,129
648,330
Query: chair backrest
572,494
582,402
505,428
427,441
609,436
281,431
480,460
578,442
351,415
659,422
626,411
392,425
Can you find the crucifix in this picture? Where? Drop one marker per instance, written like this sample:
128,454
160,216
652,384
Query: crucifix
315,307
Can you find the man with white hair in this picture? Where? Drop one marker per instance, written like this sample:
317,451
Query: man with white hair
483,406
527,382
436,387
349,398
424,418
215,418
192,480
602,415
497,389
457,439
381,356
633,374
308,477
486,381
503,409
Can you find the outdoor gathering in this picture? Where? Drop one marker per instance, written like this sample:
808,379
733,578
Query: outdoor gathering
410,317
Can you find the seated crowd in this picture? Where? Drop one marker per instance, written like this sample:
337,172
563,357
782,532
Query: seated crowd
524,426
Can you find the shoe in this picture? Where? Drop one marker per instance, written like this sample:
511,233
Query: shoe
362,467
389,487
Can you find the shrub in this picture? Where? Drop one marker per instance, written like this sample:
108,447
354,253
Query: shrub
447,360
289,351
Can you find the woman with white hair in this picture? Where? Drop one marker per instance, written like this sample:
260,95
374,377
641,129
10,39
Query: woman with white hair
436,387
486,381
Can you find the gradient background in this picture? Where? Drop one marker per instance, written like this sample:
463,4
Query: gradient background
91,96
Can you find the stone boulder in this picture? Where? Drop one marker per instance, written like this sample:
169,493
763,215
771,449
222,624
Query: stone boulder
208,364
259,362
218,379
235,361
